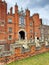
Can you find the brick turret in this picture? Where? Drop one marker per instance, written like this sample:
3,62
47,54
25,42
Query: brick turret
16,8
3,19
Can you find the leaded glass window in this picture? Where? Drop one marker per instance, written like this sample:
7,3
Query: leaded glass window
22,20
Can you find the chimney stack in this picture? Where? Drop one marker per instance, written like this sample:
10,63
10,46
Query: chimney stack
16,8
11,10
27,12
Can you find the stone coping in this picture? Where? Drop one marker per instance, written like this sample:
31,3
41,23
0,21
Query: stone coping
5,53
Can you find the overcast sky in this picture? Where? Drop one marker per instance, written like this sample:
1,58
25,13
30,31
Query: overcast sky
35,6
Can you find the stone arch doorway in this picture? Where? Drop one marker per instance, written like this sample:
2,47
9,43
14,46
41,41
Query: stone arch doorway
22,35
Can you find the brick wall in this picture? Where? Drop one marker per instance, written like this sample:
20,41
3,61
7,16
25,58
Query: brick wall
19,55
15,23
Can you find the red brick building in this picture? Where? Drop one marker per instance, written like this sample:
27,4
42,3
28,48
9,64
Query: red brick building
21,26
17,26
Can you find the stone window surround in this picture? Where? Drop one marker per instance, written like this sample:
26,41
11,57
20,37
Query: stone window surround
31,23
10,20
2,22
22,20
10,29
10,38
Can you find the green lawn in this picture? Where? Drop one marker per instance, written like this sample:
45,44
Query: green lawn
42,59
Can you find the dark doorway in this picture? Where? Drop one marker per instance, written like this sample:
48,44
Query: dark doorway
22,34
37,38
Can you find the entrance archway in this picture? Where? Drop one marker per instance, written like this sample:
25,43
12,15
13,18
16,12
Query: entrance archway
22,35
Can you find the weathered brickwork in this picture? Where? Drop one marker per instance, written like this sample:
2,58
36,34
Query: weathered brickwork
30,25
21,35
19,55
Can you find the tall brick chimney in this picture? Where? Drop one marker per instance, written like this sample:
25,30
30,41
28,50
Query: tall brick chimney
16,8
27,12
11,9
3,9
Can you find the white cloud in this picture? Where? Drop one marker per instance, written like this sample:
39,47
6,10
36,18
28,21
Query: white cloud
21,3
43,11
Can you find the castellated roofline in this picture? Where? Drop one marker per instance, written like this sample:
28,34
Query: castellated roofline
27,11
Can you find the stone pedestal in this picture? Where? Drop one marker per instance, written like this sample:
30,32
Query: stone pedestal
37,42
12,48
25,46
46,44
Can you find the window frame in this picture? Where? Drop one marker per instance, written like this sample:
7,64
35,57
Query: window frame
10,30
21,20
31,24
10,20
31,31
9,37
